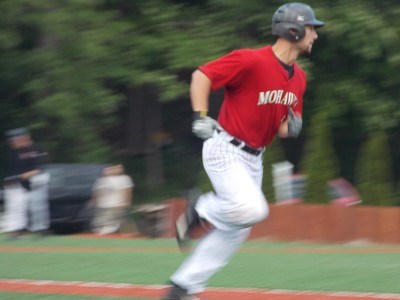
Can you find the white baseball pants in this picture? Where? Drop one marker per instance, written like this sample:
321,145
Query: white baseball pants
16,205
18,202
39,203
237,204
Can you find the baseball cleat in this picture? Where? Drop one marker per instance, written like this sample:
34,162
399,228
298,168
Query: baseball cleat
178,293
185,223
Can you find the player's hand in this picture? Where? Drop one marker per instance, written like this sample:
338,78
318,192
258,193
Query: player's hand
204,127
295,123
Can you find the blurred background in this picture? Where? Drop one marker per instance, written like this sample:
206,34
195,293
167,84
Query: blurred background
108,80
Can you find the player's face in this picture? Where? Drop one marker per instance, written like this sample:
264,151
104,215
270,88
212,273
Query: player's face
307,42
20,141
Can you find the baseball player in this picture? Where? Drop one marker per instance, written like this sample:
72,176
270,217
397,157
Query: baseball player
263,96
25,186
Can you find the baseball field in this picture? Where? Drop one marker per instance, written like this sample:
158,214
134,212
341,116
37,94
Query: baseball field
87,267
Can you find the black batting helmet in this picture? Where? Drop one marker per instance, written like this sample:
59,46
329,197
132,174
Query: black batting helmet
290,19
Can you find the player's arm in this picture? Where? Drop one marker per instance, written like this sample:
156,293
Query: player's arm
200,88
225,71
283,130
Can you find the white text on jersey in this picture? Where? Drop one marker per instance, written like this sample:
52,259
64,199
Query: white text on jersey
277,97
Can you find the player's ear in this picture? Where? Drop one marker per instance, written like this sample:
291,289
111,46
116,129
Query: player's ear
293,31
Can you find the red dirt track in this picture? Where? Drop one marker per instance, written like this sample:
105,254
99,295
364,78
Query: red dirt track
156,292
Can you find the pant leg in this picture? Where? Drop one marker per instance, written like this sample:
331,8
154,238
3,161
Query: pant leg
105,221
16,201
101,219
39,203
114,218
236,205
211,254
119,217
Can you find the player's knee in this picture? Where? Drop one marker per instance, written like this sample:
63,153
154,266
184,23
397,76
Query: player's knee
260,212
251,213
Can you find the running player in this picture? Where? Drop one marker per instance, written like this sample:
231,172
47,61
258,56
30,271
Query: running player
263,96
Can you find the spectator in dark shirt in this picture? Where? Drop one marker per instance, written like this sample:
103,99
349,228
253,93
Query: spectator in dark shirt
25,185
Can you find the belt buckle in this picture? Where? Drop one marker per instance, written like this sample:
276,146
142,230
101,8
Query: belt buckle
241,145
254,151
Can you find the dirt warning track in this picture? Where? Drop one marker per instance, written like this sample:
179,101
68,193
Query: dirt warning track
156,292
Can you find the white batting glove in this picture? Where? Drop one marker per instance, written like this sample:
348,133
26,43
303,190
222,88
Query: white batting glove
295,124
204,127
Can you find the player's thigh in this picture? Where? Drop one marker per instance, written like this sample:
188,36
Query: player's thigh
235,183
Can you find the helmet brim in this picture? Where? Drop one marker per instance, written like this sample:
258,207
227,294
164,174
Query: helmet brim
316,23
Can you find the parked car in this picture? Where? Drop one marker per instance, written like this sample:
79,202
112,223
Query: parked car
70,190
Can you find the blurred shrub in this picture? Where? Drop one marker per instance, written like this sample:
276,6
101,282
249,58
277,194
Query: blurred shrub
320,164
374,179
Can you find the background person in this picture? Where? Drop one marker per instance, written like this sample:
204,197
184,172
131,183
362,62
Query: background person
25,185
112,196
263,96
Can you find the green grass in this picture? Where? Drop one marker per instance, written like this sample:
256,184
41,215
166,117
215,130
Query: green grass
275,268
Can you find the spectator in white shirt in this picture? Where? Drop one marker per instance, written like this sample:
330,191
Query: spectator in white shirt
112,196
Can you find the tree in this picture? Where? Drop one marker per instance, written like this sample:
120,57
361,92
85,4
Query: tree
319,163
374,177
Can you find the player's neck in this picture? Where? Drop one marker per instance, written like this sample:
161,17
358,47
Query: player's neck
285,51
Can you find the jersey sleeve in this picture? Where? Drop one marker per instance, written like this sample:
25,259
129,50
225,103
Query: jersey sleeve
225,70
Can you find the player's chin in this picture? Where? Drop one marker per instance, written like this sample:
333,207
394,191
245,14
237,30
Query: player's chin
307,52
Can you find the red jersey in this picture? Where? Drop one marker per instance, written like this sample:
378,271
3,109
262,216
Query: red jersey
257,93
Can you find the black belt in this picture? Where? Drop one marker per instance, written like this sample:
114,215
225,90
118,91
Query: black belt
245,148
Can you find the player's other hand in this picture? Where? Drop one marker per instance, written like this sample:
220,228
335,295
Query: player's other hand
295,123
204,127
